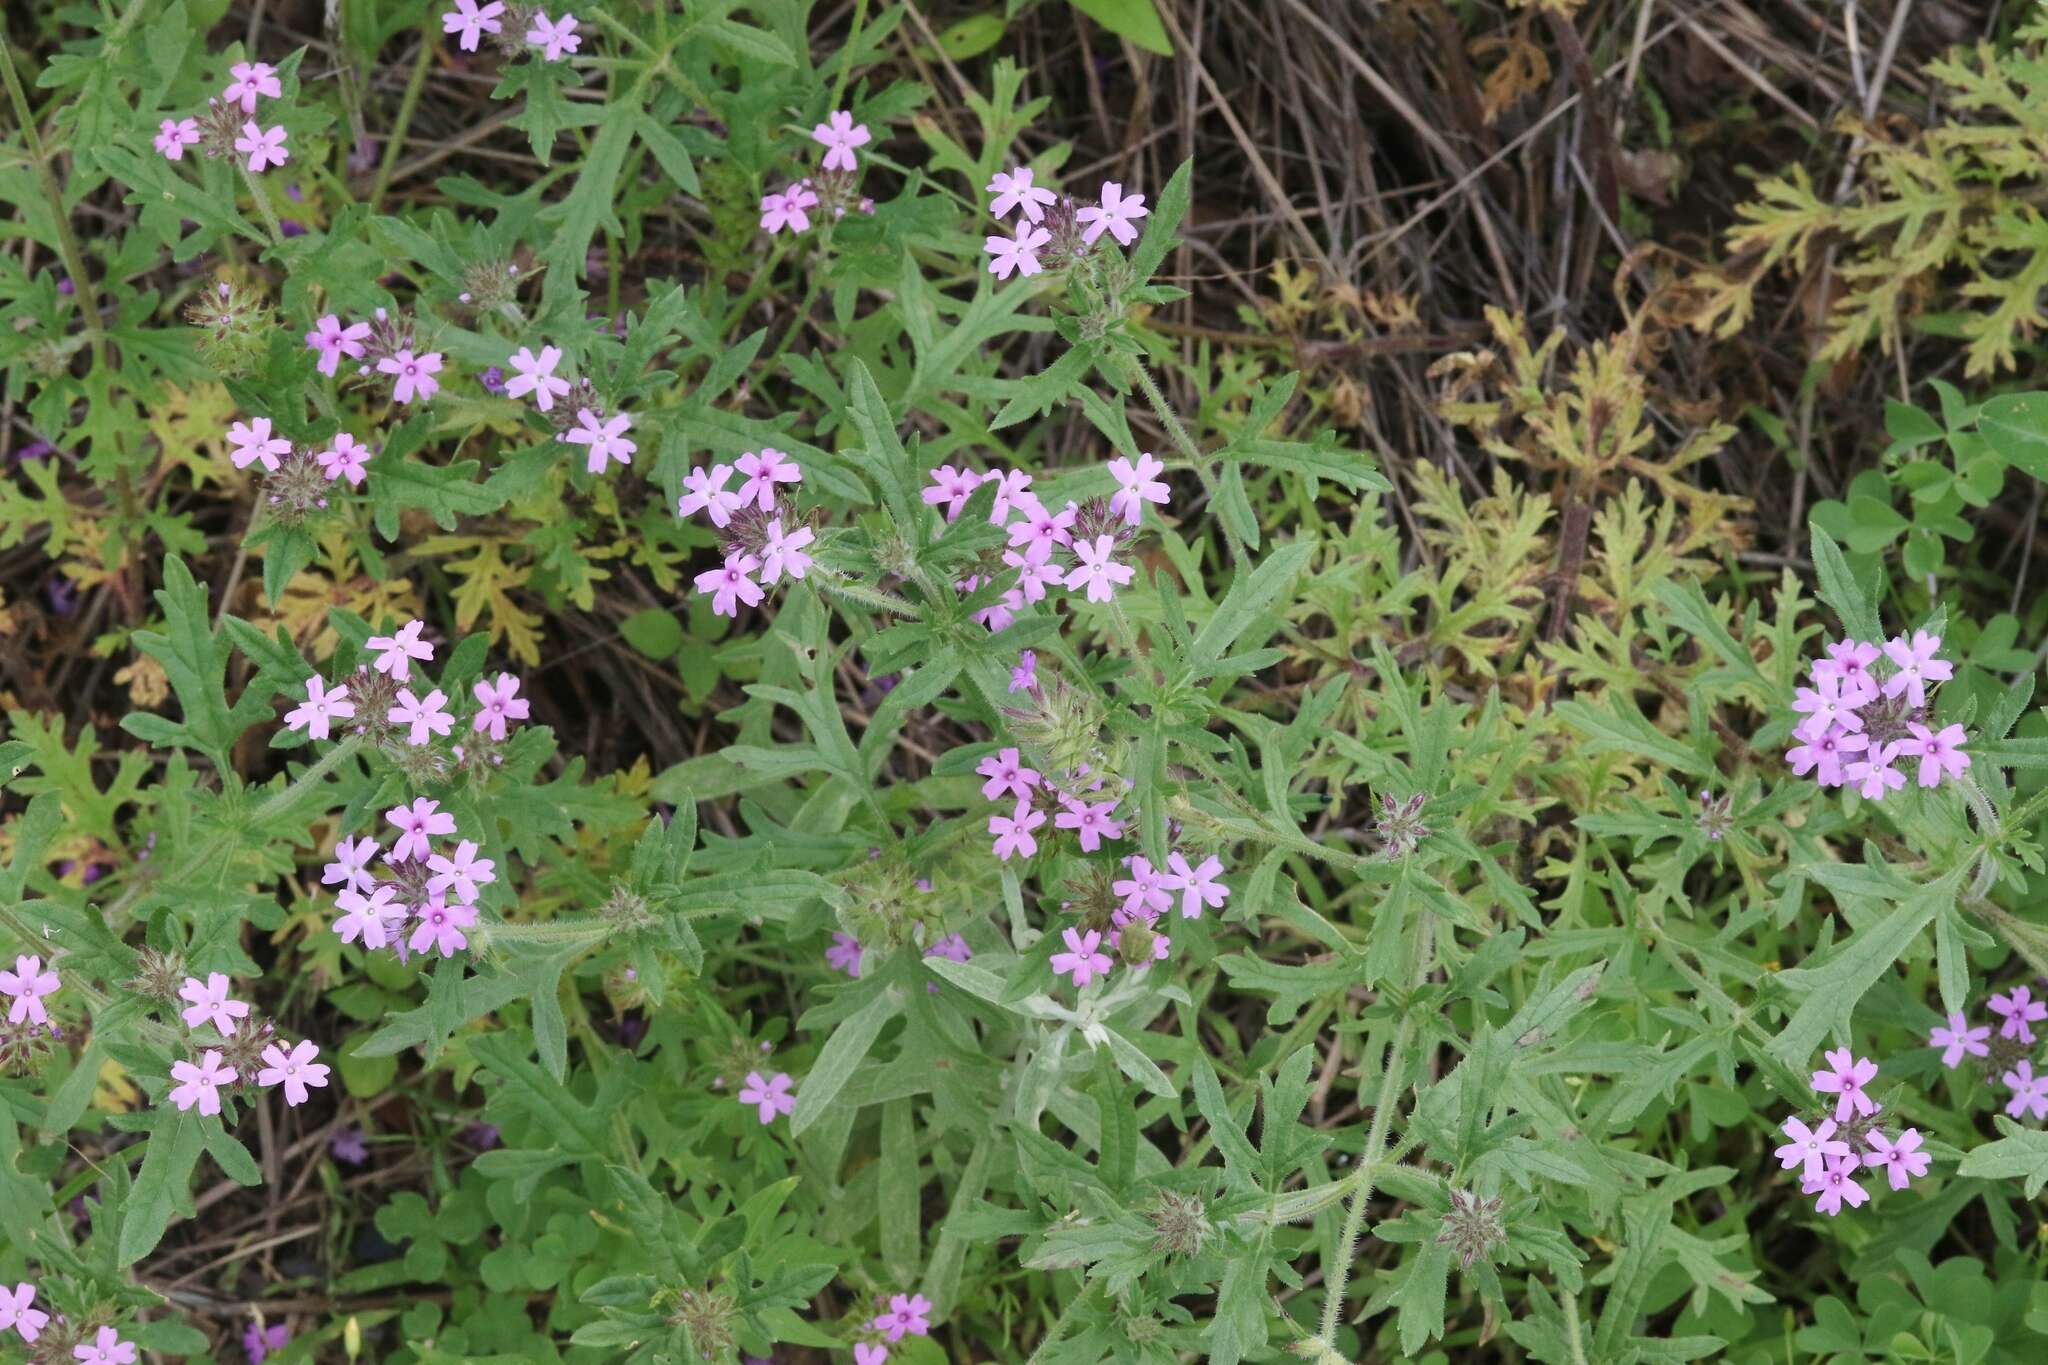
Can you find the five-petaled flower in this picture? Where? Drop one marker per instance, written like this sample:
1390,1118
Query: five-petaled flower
1090,822
2028,1091
1014,832
351,865
1902,1160
253,442
951,487
263,146
1810,1148
372,917
1147,891
251,81
839,135
730,584
536,375
770,1095
208,1003
106,1348
334,342
1083,959
346,458
1013,190
1113,215
417,824
707,493
1199,888
173,136
415,374
16,1313
907,1313
783,552
1873,775
1940,752
441,927
1097,571
1007,774
1136,485
462,874
553,38
1845,1078
788,210
1834,1186
472,22
1017,254
323,704
26,986
426,715
764,470
395,653
606,439
844,954
1959,1038
498,702
1917,666
2020,1011
200,1084
294,1070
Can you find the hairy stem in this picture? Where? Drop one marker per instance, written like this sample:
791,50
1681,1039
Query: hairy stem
407,103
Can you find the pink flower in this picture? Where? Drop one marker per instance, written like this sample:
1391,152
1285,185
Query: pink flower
428,716
707,494
784,554
254,442
1024,675
497,703
345,459
2019,1010
334,341
209,1003
1137,485
1014,833
1115,215
263,146
1013,190
107,1348
2028,1091
907,1313
16,1313
1040,530
1018,253
1939,752
953,487
395,653
1082,961
417,824
1826,708
463,873
1850,661
322,705
870,1353
1873,774
1097,572
536,375
789,210
952,947
415,374
1959,1038
1845,1080
441,926
844,954
1827,754
200,1084
765,470
1091,823
1199,888
371,918
173,136
555,38
729,584
471,22
1006,772
1810,1147
1917,666
839,136
1012,493
1902,1160
27,984
351,865
770,1094
1835,1187
294,1070
252,79
1147,891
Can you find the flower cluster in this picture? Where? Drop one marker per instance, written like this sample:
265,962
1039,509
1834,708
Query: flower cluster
1827,1155
1859,722
505,24
2009,1056
1052,231
1075,548
439,891
27,1034
384,345
228,125
579,415
245,1053
835,188
906,1315
764,532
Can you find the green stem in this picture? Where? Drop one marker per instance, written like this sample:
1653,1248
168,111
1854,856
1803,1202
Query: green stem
1363,1178
1186,445
407,103
262,198
860,14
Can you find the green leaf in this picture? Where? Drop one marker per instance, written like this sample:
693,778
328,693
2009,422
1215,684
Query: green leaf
1248,598
164,1185
195,660
846,1049
1136,20
655,632
2021,1153
1163,222
1850,600
2015,426
1833,988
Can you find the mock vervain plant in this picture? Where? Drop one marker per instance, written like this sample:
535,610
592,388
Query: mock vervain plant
1123,907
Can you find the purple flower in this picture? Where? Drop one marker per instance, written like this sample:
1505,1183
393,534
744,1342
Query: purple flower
2019,1009
1835,1187
1024,677
1959,1038
844,954
1845,1079
493,380
1810,1147
347,1145
260,1342
1902,1160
